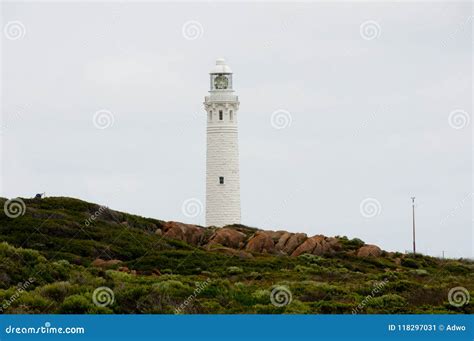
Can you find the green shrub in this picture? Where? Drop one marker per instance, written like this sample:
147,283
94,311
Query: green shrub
386,304
350,244
30,303
267,309
402,286
426,296
297,307
212,307
410,263
155,302
243,296
310,259
56,291
457,269
76,304
234,270
261,296
173,288
255,276
127,298
217,289
302,268
330,307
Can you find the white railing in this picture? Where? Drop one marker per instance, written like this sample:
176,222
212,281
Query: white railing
222,97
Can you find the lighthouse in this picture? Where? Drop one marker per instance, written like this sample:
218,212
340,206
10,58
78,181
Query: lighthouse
222,154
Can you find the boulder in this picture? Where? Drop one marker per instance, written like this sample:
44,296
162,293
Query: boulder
276,235
123,269
306,247
288,242
190,234
369,251
334,243
261,242
228,237
317,245
283,240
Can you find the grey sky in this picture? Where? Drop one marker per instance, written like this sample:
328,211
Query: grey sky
369,117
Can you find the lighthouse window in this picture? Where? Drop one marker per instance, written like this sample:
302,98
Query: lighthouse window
231,115
220,115
210,115
221,180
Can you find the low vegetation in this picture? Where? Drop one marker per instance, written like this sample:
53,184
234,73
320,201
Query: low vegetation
55,258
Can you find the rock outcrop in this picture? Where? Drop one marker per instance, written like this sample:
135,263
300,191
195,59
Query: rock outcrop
288,242
261,242
190,234
317,245
369,251
233,241
228,237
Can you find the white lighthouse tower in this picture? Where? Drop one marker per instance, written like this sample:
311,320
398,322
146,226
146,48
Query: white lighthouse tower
222,165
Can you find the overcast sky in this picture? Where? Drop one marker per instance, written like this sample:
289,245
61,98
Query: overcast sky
371,105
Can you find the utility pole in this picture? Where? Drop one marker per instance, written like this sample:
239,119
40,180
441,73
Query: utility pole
413,210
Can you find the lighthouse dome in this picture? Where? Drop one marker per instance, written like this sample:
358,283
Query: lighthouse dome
221,67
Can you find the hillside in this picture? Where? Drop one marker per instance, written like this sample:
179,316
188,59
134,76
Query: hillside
55,256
